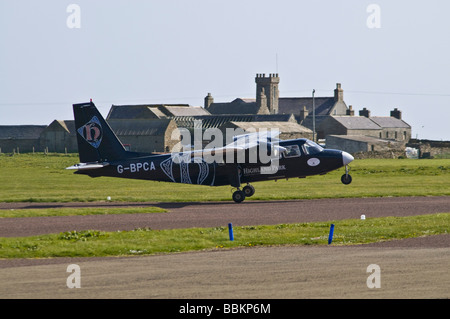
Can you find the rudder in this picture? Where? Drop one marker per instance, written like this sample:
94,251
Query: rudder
96,140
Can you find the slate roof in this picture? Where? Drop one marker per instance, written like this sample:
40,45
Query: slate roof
149,111
130,112
215,121
357,122
139,127
385,121
237,106
295,104
186,111
308,121
68,126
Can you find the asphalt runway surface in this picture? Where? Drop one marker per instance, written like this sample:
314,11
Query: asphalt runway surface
410,268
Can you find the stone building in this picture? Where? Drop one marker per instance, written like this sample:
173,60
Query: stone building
362,143
387,127
59,137
155,127
302,107
146,135
20,138
331,116
393,127
266,101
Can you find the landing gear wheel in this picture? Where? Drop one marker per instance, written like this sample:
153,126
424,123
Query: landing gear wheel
248,190
346,179
238,196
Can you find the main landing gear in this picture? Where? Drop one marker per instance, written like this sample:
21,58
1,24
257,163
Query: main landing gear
240,195
346,178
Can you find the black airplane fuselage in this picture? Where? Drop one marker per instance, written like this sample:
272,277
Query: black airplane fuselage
166,168
102,154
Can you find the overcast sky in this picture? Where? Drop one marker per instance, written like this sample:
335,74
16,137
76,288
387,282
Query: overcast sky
386,54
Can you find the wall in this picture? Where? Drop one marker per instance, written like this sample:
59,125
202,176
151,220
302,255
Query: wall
19,145
429,148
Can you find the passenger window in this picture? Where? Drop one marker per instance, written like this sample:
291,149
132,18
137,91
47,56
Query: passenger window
292,151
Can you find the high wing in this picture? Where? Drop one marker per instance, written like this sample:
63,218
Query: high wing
267,139
249,142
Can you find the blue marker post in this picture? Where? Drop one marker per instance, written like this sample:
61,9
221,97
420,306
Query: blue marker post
230,231
330,236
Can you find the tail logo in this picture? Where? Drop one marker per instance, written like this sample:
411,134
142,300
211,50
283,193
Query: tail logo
92,132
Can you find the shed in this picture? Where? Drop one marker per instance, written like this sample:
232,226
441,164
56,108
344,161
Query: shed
20,138
60,137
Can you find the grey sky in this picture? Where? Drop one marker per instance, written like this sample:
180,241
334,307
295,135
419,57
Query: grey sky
178,51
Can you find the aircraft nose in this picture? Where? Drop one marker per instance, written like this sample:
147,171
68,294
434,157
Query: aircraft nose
347,158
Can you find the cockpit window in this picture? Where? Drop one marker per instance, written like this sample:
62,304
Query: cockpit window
311,148
292,151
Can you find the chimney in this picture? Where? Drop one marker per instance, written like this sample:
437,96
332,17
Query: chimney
303,114
364,112
208,100
350,111
338,93
396,113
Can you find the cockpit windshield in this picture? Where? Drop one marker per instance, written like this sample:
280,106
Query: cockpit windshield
311,148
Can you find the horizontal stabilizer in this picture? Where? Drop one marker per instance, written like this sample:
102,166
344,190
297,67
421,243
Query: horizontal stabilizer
87,166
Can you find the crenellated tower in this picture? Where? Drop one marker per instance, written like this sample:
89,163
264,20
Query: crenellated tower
269,87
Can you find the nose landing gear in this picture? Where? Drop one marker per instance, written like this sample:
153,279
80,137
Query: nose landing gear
346,178
240,195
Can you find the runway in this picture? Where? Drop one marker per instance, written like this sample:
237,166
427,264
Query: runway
411,268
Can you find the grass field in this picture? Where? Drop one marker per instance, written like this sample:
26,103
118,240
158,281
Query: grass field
146,241
43,178
40,212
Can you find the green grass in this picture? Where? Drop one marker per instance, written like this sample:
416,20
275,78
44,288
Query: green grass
43,178
41,212
146,241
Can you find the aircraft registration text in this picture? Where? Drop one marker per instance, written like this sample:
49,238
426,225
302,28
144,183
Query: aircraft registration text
136,167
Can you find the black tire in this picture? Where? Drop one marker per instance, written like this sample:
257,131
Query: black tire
238,196
346,179
248,190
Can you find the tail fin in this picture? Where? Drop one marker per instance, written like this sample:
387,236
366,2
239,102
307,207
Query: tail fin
96,140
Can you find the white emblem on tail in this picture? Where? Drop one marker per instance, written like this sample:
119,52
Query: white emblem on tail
92,132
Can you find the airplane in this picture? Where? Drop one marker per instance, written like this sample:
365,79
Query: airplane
102,154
